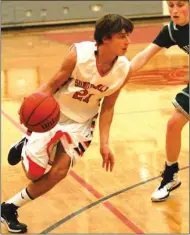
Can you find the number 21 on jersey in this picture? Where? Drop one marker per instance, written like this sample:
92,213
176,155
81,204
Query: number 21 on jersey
82,96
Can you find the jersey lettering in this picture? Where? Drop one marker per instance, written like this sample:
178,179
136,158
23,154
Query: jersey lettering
87,85
82,96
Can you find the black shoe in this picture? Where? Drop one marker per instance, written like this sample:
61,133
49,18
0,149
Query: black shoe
9,217
169,182
14,155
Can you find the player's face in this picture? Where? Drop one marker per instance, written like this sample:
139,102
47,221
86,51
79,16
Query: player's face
179,12
119,42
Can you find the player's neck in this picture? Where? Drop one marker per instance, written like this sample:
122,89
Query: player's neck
105,57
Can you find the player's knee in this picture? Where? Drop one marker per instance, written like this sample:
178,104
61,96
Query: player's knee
31,177
174,125
58,175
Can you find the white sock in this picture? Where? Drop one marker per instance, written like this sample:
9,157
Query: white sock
20,198
170,163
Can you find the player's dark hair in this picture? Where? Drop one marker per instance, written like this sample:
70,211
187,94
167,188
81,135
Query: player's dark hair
109,24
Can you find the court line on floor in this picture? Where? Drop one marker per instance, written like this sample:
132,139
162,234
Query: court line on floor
101,200
16,124
91,189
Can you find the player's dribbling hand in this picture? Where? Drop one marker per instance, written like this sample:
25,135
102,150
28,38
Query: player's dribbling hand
107,158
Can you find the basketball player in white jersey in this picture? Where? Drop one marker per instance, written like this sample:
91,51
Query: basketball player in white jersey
175,33
91,72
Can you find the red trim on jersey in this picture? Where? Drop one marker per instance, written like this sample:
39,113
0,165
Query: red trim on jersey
86,143
57,137
92,125
34,169
81,152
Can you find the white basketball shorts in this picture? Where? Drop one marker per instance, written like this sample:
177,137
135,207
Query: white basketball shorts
40,149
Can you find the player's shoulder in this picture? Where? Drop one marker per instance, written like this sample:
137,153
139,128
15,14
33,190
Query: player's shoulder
86,45
164,32
123,60
165,29
85,50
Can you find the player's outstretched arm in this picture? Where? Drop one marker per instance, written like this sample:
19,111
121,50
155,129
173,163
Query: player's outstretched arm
62,75
143,57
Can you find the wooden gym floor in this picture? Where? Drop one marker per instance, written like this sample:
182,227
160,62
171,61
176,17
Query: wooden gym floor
91,200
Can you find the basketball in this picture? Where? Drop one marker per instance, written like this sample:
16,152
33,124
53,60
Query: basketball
39,112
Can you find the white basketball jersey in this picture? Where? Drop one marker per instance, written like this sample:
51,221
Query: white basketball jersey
79,98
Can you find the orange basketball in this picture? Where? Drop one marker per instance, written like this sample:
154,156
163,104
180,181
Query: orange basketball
39,112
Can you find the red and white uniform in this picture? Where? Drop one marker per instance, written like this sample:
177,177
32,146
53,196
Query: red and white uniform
79,100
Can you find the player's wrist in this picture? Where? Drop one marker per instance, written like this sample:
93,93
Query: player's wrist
104,145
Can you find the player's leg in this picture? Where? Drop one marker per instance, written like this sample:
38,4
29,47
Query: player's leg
35,189
35,161
58,171
74,145
175,126
173,136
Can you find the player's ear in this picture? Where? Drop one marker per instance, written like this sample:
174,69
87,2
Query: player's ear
105,39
